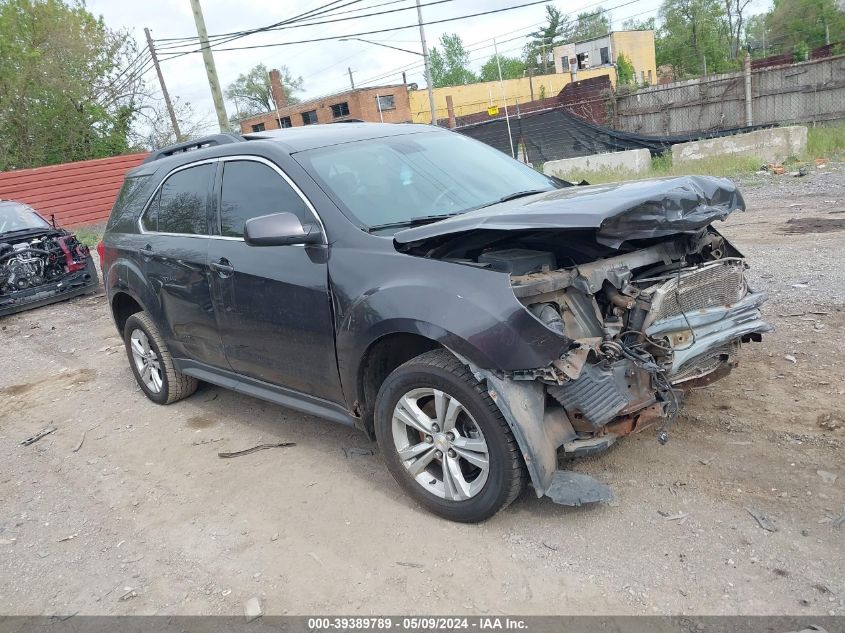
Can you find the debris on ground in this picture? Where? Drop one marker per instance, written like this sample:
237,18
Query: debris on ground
791,358
827,477
208,441
350,451
42,433
68,538
252,609
407,564
128,594
79,444
255,449
762,520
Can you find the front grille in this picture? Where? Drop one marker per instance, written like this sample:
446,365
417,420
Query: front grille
716,284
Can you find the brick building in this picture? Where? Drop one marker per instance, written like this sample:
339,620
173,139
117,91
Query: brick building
382,103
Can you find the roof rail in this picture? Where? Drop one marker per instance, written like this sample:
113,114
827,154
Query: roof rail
199,143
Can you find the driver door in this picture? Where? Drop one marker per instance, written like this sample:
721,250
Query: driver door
271,303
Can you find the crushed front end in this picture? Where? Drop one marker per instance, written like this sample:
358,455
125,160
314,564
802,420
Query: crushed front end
645,326
638,297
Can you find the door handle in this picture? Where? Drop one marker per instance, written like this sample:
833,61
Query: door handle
147,251
222,267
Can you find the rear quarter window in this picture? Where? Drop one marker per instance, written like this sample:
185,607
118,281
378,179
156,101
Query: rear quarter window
129,202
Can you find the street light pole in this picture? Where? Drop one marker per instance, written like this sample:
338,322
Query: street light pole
427,61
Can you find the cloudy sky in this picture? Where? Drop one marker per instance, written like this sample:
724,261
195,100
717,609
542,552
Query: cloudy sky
323,64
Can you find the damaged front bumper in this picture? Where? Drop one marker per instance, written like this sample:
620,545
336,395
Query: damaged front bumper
642,342
71,285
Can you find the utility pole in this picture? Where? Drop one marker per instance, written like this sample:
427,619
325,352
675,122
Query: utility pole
504,96
427,66
351,81
210,69
166,94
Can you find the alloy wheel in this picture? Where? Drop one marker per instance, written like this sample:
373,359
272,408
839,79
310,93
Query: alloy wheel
440,444
146,361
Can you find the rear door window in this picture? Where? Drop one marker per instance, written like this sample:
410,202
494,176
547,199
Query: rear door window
181,205
252,189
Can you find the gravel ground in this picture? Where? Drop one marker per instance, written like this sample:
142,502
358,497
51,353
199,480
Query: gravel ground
144,518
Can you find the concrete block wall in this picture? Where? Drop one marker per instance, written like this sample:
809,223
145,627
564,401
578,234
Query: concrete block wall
631,161
773,145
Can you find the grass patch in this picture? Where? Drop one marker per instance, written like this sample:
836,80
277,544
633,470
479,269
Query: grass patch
826,141
89,235
661,166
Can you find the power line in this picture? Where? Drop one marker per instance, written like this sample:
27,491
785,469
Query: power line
385,30
303,22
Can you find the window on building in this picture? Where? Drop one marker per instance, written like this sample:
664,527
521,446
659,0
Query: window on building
181,205
386,102
649,77
642,76
340,109
583,60
564,63
251,189
309,118
285,122
258,127
604,51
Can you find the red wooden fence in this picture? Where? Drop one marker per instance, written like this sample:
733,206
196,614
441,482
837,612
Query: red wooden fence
77,193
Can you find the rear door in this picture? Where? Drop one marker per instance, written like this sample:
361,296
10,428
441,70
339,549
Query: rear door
272,302
174,256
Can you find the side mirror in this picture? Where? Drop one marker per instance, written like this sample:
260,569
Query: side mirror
280,229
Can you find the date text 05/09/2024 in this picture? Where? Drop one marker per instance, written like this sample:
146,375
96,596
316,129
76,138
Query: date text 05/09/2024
415,623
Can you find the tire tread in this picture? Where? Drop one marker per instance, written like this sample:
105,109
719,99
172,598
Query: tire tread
179,386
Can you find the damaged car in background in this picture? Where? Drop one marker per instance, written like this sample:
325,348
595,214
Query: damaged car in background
39,263
484,322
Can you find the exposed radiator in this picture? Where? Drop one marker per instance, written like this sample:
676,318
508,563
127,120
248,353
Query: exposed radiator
715,284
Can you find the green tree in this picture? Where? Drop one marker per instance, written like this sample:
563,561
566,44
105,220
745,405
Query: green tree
694,34
555,32
512,68
68,87
632,24
808,23
251,90
590,24
624,70
451,67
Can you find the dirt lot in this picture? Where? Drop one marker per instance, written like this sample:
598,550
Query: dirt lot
144,518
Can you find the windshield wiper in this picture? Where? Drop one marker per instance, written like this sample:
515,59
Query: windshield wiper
425,219
514,196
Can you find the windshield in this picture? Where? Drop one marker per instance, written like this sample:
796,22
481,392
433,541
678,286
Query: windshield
394,181
15,216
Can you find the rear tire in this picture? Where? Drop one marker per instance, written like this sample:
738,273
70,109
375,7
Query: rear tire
445,441
152,363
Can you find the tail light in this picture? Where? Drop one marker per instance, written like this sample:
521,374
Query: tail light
101,251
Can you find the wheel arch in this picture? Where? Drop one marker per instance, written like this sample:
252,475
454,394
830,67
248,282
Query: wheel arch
381,357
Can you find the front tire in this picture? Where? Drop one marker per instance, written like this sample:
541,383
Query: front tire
445,441
152,364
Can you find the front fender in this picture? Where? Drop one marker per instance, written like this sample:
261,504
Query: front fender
473,312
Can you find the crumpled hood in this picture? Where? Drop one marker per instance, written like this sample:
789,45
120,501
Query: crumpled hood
620,211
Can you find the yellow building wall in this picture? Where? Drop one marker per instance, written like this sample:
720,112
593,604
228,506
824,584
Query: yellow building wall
638,46
474,98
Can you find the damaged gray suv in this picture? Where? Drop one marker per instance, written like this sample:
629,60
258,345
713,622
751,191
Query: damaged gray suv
484,322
